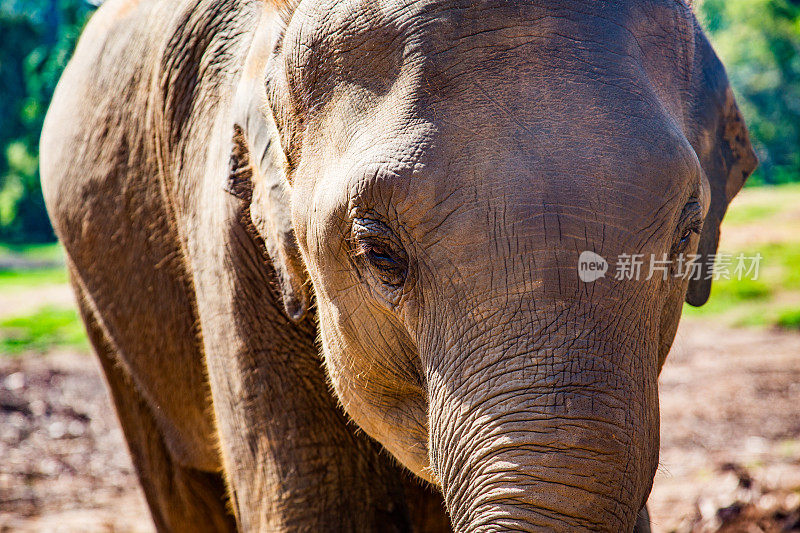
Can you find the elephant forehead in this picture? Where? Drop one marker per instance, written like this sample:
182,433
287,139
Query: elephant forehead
524,81
328,43
369,41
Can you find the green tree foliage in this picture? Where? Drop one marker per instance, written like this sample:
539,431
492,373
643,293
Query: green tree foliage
759,42
38,37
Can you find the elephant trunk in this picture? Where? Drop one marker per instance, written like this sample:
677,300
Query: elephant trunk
542,440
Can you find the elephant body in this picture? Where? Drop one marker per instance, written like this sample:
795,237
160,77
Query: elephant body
178,183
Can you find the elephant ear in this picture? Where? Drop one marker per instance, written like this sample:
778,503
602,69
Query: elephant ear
256,176
723,147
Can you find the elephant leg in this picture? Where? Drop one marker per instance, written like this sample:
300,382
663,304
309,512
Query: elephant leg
642,521
180,497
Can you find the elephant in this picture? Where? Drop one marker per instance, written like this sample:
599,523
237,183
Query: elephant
327,251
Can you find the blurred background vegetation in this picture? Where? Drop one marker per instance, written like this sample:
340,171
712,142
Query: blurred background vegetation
759,43
38,39
758,40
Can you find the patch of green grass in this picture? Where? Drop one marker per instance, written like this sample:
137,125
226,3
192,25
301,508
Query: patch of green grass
783,259
730,293
41,331
762,205
789,319
745,289
24,279
34,252
748,214
753,302
23,266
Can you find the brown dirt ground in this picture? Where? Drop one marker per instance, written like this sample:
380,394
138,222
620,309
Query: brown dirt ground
730,454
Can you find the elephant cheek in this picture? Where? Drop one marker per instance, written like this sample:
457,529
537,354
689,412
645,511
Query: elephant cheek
372,396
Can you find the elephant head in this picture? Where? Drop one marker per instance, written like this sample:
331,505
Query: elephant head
442,165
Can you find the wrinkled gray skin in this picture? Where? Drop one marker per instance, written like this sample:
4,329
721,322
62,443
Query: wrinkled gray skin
428,172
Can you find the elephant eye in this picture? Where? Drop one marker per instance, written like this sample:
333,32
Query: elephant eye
389,267
687,234
377,249
690,224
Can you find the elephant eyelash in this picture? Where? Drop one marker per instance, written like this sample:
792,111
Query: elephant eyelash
373,250
361,247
